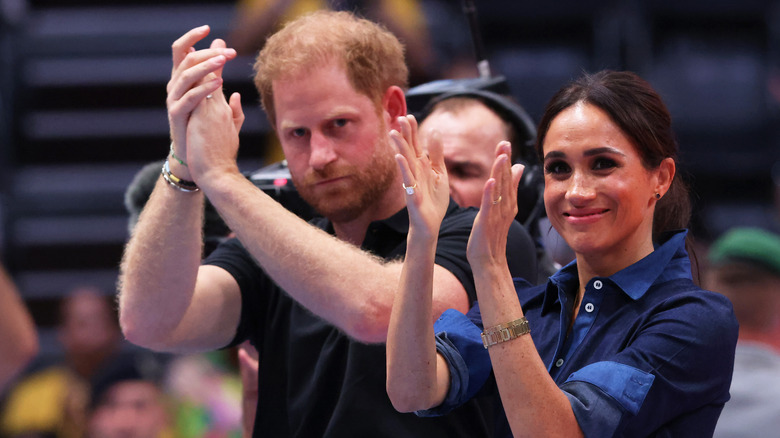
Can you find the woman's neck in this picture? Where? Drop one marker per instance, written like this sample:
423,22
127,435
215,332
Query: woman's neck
606,264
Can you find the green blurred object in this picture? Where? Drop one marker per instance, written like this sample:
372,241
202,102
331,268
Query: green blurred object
752,245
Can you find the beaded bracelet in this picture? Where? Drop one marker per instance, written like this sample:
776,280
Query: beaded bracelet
176,182
173,154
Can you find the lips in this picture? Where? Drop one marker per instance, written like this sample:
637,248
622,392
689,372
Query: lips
585,216
329,181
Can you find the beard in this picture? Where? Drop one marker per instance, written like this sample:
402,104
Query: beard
367,186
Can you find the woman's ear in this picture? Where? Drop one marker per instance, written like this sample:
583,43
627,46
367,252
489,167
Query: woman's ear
666,172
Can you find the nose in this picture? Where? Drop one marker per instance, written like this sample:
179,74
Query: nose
322,151
580,189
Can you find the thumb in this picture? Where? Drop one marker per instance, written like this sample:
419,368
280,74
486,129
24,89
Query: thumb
238,111
517,174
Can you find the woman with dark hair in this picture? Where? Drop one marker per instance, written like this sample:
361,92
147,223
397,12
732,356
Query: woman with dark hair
624,343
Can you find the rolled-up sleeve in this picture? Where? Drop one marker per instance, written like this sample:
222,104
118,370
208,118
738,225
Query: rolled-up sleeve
458,340
601,393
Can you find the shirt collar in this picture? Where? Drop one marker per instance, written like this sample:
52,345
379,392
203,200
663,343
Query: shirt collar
670,256
668,261
398,222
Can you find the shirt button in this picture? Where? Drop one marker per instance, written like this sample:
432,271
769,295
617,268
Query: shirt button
559,363
597,284
589,307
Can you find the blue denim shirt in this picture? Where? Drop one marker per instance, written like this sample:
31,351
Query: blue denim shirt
649,354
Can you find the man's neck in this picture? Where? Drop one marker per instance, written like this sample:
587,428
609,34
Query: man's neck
354,231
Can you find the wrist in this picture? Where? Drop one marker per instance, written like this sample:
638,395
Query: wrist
495,285
175,157
177,166
176,181
177,169
222,186
493,256
422,235
505,332
491,269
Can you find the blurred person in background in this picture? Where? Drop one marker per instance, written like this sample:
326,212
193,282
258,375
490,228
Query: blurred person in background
128,401
470,123
52,401
18,339
249,367
140,188
745,267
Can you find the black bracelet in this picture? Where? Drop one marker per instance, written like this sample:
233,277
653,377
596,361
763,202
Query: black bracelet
176,182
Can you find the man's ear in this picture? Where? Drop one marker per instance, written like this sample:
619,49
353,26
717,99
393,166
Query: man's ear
393,106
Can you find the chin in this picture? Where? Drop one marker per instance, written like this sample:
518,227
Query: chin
340,210
467,201
581,242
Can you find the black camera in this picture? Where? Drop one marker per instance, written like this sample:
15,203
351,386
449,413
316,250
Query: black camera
276,182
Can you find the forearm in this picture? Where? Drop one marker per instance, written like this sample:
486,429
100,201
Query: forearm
411,350
18,338
535,406
160,266
349,287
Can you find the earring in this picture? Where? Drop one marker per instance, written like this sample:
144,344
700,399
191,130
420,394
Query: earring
657,195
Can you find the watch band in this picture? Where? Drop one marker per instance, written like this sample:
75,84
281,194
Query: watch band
505,332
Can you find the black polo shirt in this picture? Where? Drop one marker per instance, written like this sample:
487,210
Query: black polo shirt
314,380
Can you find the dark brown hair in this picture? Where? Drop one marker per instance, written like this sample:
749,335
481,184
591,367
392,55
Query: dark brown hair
642,116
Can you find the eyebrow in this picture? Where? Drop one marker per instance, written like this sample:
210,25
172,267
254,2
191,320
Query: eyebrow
588,153
339,112
286,124
603,150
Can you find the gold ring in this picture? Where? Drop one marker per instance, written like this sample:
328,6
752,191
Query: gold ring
410,189
497,200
